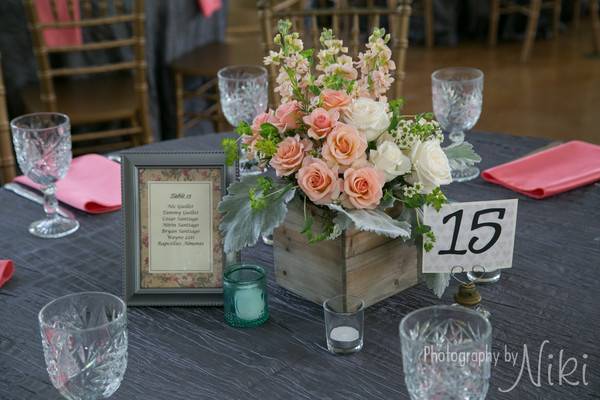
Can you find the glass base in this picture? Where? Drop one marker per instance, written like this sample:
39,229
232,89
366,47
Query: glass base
234,321
465,174
53,228
267,239
344,350
484,277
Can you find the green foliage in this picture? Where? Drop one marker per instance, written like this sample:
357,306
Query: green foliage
395,108
436,199
230,148
244,129
460,155
326,232
376,221
388,199
437,283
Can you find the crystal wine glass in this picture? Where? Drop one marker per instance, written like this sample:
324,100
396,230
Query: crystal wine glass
446,353
84,336
457,94
244,94
43,146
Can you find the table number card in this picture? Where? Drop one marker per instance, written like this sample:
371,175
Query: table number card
471,234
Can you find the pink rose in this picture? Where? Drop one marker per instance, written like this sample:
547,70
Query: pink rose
321,122
288,115
289,156
334,99
362,186
264,118
344,146
318,181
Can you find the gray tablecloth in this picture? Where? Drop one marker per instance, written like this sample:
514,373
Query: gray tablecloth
551,293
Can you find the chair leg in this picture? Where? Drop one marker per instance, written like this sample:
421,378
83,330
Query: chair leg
532,24
494,17
594,10
179,104
556,17
577,13
429,28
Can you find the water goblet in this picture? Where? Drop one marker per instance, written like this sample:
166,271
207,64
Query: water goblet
84,336
43,147
446,353
457,95
243,92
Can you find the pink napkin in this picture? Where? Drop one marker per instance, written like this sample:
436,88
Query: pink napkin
549,172
93,184
209,7
62,36
6,271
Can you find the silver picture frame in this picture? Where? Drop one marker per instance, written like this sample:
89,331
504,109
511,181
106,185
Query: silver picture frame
131,162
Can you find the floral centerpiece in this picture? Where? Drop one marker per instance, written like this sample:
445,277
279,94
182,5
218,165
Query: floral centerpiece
336,142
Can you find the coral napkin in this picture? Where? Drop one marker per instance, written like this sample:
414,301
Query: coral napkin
209,7
549,172
6,271
93,184
63,36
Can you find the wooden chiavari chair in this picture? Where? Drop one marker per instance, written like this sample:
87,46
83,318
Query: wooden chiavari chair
345,21
424,8
532,11
115,91
7,160
594,10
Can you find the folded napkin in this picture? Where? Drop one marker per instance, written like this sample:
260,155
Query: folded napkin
93,184
209,7
549,172
6,271
62,36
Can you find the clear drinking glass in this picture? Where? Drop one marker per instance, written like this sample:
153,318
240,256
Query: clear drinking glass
84,336
344,324
244,94
457,94
43,146
446,353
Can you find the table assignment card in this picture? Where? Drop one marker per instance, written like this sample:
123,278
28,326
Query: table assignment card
473,234
173,246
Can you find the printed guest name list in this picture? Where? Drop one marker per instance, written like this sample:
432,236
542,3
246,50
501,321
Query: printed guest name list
180,227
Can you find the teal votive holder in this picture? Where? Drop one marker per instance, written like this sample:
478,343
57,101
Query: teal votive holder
245,296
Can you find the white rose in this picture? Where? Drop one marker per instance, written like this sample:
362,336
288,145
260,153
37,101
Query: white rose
368,116
390,159
431,167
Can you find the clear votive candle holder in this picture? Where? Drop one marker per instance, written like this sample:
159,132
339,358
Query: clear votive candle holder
245,296
344,324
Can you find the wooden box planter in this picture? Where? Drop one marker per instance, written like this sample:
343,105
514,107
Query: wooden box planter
360,264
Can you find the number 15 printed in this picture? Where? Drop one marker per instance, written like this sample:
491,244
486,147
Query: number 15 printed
471,234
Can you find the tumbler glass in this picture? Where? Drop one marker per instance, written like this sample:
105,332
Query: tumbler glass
344,324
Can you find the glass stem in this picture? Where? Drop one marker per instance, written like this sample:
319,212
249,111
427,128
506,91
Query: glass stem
457,137
50,203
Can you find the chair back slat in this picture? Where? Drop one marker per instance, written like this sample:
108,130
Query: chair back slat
345,20
7,160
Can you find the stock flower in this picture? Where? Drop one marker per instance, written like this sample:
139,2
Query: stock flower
344,145
289,156
390,159
370,117
335,99
319,181
430,164
363,186
288,115
321,122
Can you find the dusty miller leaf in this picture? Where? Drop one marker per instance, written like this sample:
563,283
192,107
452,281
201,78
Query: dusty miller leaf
462,154
376,221
241,225
437,282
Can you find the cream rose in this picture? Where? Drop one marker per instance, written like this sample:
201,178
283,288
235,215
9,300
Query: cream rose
370,117
430,164
390,159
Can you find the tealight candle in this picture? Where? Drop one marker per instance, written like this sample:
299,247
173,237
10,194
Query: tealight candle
345,337
249,303
245,296
344,320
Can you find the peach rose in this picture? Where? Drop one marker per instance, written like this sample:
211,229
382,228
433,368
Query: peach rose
289,156
363,186
321,122
318,181
288,115
264,118
344,146
335,99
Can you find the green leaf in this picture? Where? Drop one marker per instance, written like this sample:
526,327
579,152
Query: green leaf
462,154
242,225
376,221
230,148
244,129
437,282
269,131
395,107
388,200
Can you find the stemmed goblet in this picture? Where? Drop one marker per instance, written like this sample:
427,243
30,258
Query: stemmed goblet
43,146
457,95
